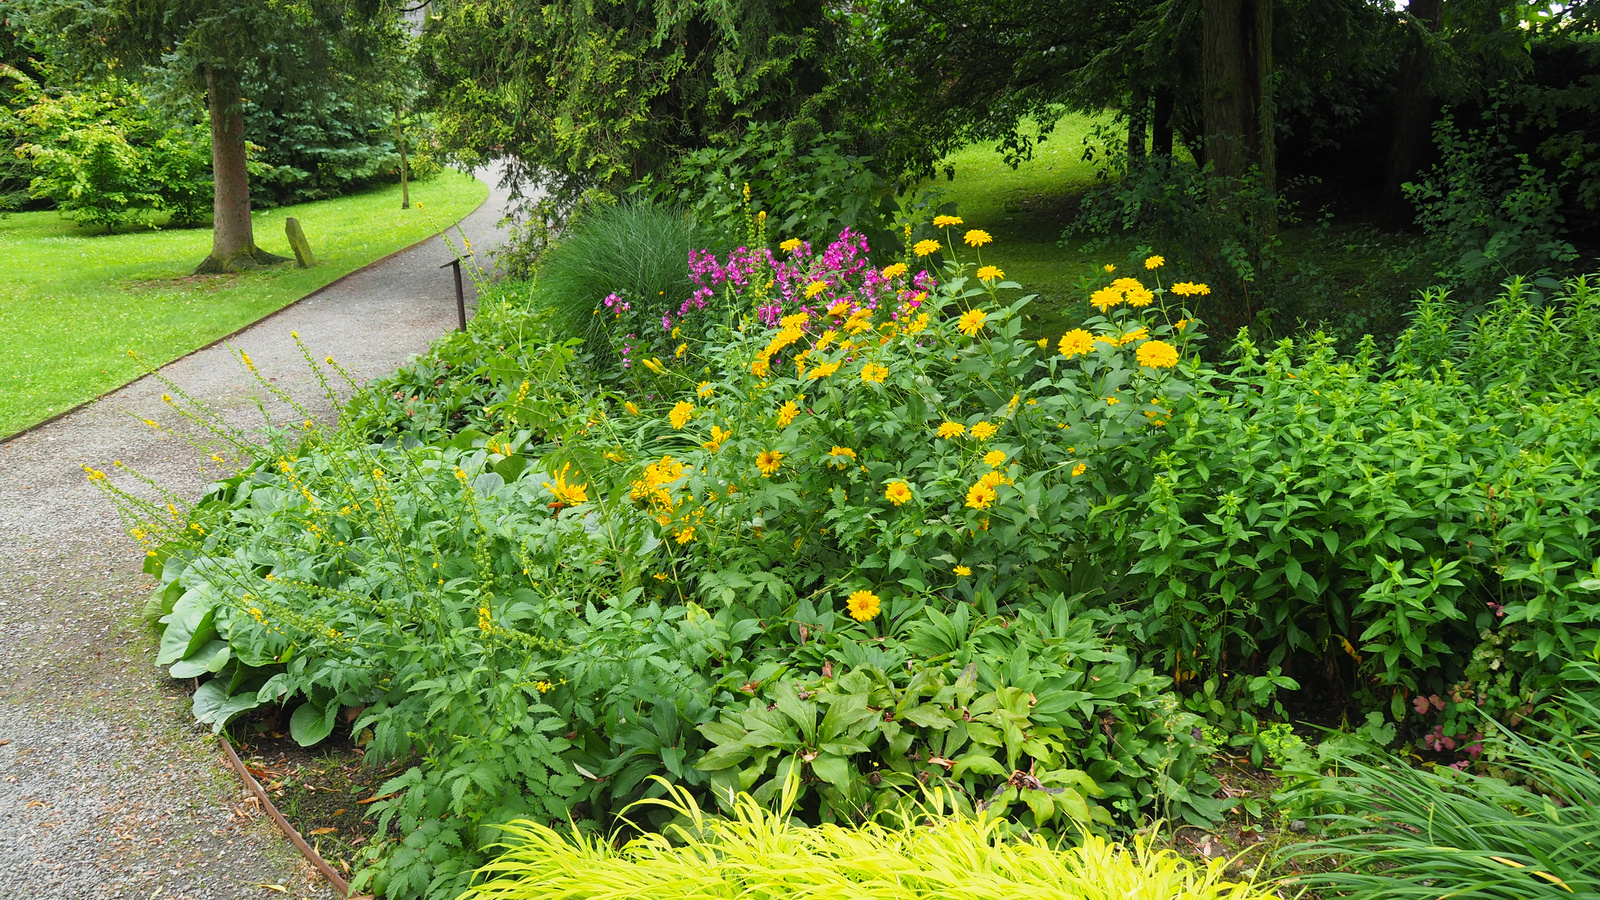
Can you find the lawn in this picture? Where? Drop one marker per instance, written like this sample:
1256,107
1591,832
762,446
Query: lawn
1026,209
74,301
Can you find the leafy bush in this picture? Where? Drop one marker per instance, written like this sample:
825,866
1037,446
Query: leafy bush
867,476
106,162
1543,345
1490,211
930,854
812,188
1525,831
1398,539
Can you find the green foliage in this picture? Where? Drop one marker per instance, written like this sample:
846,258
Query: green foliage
105,161
544,592
1525,830
1395,538
928,852
635,252
811,187
1075,731
1490,212
1542,344
596,95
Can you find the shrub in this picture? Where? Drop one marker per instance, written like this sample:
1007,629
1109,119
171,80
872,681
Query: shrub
1540,344
1489,211
105,162
1395,539
811,187
929,854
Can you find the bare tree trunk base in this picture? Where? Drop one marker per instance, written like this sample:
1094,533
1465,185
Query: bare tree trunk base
244,261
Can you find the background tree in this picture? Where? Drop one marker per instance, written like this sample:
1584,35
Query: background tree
213,49
599,94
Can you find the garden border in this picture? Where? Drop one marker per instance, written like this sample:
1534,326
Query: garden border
249,325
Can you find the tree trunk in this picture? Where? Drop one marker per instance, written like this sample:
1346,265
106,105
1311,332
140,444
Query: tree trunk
1239,137
233,244
1414,113
1161,126
405,183
1238,108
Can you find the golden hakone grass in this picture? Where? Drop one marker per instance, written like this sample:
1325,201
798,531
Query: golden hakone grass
756,853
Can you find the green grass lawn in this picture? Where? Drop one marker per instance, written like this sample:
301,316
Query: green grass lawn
1026,209
74,301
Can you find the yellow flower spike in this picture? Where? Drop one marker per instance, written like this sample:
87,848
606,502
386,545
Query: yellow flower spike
863,605
977,237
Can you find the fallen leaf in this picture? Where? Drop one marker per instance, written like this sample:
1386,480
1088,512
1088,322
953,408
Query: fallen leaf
338,812
323,830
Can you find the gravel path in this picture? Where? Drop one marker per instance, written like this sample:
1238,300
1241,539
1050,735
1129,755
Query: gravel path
107,788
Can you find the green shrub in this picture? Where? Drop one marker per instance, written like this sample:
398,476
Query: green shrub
1540,344
1526,830
101,157
1397,540
754,852
1489,211
811,188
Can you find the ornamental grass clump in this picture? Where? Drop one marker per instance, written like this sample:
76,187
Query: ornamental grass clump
1526,829
757,853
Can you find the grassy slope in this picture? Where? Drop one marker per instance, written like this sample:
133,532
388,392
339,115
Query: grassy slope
1026,209
73,302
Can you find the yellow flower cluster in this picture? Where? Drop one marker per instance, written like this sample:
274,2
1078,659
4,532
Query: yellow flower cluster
1123,290
655,485
719,436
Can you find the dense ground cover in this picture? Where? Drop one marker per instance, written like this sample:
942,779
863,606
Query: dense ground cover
73,304
843,531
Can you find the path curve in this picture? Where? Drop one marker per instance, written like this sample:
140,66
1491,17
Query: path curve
107,787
